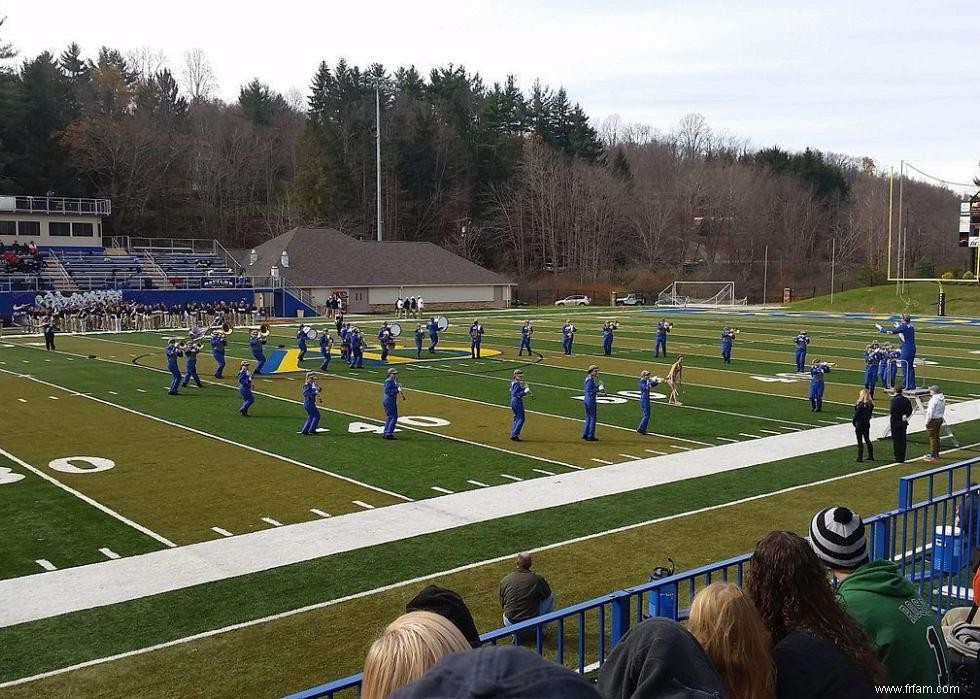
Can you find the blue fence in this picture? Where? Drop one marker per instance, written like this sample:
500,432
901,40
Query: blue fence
931,541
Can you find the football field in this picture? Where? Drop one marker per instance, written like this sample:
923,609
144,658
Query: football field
101,469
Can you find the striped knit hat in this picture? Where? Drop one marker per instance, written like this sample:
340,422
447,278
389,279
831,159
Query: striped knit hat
837,537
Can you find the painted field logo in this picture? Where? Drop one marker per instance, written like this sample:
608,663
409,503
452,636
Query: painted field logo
8,476
67,464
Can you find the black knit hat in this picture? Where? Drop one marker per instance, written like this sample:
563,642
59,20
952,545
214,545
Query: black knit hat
837,537
448,604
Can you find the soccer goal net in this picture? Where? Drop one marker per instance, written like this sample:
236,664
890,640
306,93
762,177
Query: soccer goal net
682,293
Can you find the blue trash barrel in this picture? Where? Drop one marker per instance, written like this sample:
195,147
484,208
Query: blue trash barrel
947,550
663,601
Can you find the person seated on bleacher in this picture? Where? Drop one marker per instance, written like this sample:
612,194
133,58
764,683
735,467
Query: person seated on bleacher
523,594
501,672
407,648
32,249
902,626
659,658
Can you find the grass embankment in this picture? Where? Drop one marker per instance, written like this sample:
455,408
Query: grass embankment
962,299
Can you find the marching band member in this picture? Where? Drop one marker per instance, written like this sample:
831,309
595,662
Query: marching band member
418,341
433,333
567,336
172,353
526,332
906,333
674,380
301,342
48,330
476,339
646,383
871,360
390,403
344,333
340,325
663,327
311,396
518,389
356,349
218,345
326,345
817,371
591,390
892,359
384,339
607,336
190,357
801,341
399,306
727,341
245,389
255,343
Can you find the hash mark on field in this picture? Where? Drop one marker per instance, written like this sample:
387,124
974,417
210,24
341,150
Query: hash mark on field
654,451
678,446
770,431
447,491
792,429
319,513
630,456
113,393
22,400
141,390
751,436
726,439
273,522
109,553
542,471
602,461
827,422
53,397
843,419
47,565
25,361
461,364
363,504
223,532
510,477
975,395
478,484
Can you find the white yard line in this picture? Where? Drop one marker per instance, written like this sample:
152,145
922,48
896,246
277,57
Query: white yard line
273,522
602,461
442,490
109,553
319,513
46,564
223,532
363,504
478,484
510,477
750,436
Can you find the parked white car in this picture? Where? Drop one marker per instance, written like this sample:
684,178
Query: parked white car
575,300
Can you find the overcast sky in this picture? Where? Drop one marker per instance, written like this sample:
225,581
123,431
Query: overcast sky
891,80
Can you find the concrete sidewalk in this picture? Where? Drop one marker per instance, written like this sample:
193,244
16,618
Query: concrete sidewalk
59,592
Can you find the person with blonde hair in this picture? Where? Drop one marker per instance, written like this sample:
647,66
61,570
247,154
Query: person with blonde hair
674,379
863,410
729,628
405,651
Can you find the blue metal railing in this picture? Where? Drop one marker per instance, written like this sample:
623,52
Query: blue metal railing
944,474
930,541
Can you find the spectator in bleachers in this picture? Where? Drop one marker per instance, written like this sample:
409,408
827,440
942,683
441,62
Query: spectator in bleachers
659,658
523,594
726,623
902,626
407,648
819,650
501,672
449,604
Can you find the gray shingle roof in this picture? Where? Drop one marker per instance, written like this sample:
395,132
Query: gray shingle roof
327,257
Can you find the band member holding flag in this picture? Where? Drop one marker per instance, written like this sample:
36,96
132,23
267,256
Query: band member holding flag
518,389
245,389
646,383
663,327
433,335
218,344
817,371
190,357
801,341
590,392
906,333
526,332
172,353
311,396
392,389
255,343
567,336
727,341
301,342
326,348
476,339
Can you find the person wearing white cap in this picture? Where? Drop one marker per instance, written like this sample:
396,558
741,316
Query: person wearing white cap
935,410
646,383
518,389
390,403
886,605
311,396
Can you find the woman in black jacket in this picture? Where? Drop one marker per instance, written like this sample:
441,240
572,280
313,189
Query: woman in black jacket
862,423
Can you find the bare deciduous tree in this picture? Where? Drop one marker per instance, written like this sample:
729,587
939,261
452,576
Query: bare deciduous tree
197,76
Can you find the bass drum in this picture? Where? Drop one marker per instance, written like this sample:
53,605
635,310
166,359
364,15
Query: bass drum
442,323
396,329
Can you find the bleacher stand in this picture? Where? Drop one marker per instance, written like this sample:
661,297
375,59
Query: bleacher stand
20,268
97,270
186,269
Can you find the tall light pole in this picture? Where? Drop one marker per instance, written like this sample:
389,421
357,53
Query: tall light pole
765,277
377,113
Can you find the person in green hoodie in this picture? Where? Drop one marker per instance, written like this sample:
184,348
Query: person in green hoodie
904,629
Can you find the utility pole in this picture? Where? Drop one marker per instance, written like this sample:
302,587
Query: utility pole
765,276
833,259
377,110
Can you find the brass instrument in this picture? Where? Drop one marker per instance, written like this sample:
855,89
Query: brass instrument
262,331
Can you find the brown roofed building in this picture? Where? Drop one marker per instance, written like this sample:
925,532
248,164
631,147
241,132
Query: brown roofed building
374,274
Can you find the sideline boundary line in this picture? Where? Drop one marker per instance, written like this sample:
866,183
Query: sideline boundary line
450,571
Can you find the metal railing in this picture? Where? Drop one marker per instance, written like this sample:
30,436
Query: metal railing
930,541
55,205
